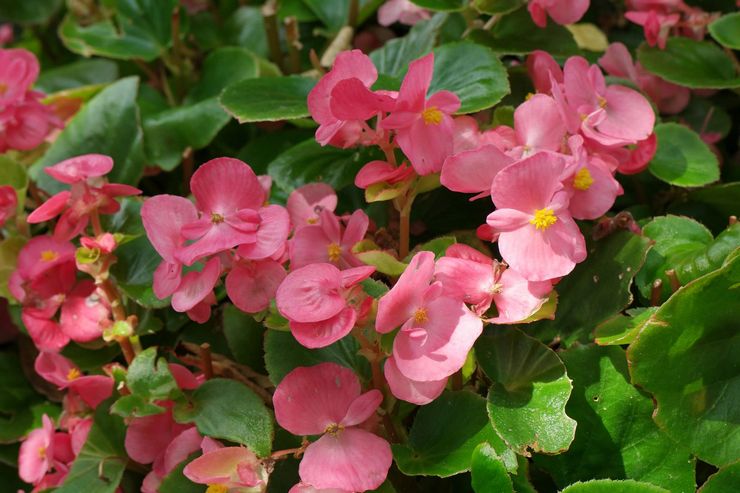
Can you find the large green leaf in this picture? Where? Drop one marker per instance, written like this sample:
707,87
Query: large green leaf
686,356
516,34
108,124
685,246
724,198
622,329
28,11
529,389
604,279
228,410
223,66
283,354
437,448
244,336
616,437
610,486
141,29
268,98
471,71
489,472
723,481
393,58
76,74
726,30
690,63
246,28
682,158
99,466
149,380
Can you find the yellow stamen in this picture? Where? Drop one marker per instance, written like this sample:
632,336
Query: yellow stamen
312,220
420,315
334,252
432,116
583,179
49,256
42,452
3,88
543,218
73,374
529,96
334,429
602,102
216,218
217,488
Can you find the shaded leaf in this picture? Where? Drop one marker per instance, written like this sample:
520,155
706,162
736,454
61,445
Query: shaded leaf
268,98
682,158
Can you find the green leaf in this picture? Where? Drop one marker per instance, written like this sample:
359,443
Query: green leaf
28,11
168,134
443,5
149,379
384,261
686,357
268,98
76,74
246,28
473,72
685,246
706,116
690,63
526,401
497,6
724,198
393,58
489,472
108,124
434,449
283,354
142,29
516,34
726,30
610,486
99,466
723,481
14,174
222,67
622,329
15,390
309,162
438,246
134,269
244,336
226,409
604,279
682,158
176,482
616,437
333,13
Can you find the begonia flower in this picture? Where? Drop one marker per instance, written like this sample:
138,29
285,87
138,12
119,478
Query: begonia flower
55,368
8,203
19,69
328,241
403,11
252,284
408,390
306,203
228,467
326,400
561,11
178,450
656,25
36,454
591,183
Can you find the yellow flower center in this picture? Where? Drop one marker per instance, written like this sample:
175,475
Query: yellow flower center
73,374
42,452
420,315
49,256
543,218
334,429
432,116
3,88
583,179
529,96
312,220
334,252
217,488
216,218
602,102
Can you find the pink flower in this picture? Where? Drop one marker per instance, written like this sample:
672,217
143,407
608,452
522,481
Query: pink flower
230,467
89,194
656,25
45,267
424,127
543,69
591,183
19,69
176,451
323,303
252,284
537,236
55,368
229,199
326,400
329,241
8,203
561,11
37,452
306,203
403,11
473,171
148,438
469,276
376,172
408,390
24,124
307,488
354,97
437,331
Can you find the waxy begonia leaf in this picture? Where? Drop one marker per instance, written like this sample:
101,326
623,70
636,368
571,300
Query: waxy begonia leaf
28,11
107,124
246,28
616,437
690,63
497,6
488,471
612,486
726,30
176,482
687,247
268,98
443,5
682,158
622,329
526,400
724,198
244,337
134,269
393,58
149,379
686,356
14,174
434,449
223,66
597,289
227,409
724,480
142,30
76,74
99,466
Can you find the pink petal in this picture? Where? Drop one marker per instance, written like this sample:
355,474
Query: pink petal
93,389
354,460
465,280
163,216
445,101
356,228
412,95
305,203
119,190
362,408
218,466
78,434
271,235
600,195
45,334
352,100
51,208
180,448
309,399
408,390
568,11
148,437
399,304
54,368
540,66
83,313
325,332
195,286
618,62
463,251
309,246
427,145
32,463
519,298
79,168
251,287
311,294
529,184
353,276
502,220
226,185
167,278
473,171
629,115
538,124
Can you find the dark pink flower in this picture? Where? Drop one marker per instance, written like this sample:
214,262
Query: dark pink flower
326,400
656,25
19,69
24,124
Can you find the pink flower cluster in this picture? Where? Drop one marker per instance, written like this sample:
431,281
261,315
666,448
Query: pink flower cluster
24,120
659,18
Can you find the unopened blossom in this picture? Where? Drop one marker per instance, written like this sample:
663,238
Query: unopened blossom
329,241
327,400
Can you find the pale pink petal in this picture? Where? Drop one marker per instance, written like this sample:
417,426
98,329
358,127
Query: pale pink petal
399,304
473,171
251,287
309,245
427,145
37,452
311,293
79,168
148,437
463,251
272,233
163,216
307,488
167,278
218,466
538,124
408,390
356,228
78,434
180,448
502,220
599,197
325,332
629,115
618,62
195,286
528,184
226,185
362,408
465,280
518,298
83,313
353,276
305,203
445,101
